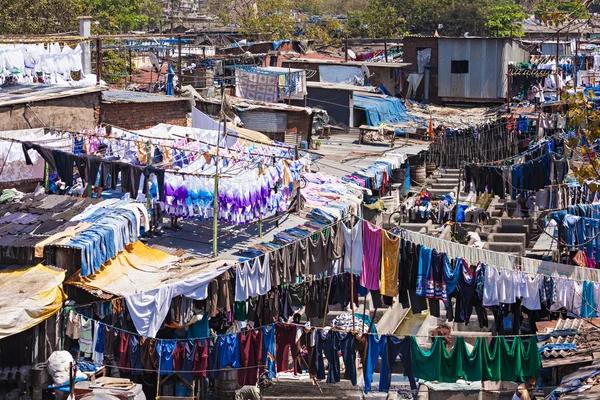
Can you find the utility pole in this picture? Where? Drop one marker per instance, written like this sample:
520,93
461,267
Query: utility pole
557,70
179,75
98,61
346,49
385,49
216,188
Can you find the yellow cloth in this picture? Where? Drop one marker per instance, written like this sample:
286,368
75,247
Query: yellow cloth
287,175
390,251
28,296
134,268
66,235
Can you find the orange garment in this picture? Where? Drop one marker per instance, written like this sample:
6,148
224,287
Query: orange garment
390,251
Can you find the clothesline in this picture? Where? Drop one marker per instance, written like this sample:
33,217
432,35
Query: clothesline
301,326
536,147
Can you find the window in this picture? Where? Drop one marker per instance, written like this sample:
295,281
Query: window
459,67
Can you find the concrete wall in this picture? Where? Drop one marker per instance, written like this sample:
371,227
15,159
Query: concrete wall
145,115
69,113
411,46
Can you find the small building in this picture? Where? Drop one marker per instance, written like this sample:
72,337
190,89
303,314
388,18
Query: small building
282,122
462,69
136,110
27,106
388,74
337,99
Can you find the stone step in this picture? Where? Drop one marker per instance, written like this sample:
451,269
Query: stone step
450,176
447,180
496,212
447,186
508,238
513,229
415,227
440,192
505,247
515,221
452,170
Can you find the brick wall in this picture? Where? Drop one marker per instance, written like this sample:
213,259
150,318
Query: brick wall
411,45
144,115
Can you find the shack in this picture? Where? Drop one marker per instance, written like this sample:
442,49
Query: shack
460,69
27,106
388,74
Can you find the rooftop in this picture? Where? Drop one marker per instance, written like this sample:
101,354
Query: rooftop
352,63
341,86
27,93
126,96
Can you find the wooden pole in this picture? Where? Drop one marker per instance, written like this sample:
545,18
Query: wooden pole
216,190
508,83
179,76
385,49
557,70
98,61
260,221
460,174
346,49
130,66
148,162
351,274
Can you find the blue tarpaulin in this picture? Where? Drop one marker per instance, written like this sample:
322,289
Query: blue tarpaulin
382,110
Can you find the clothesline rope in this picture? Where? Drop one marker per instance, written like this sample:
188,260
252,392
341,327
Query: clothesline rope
308,328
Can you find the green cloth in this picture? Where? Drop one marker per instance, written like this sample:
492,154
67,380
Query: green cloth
379,205
7,194
500,362
239,311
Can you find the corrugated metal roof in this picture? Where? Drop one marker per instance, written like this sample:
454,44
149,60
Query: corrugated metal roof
126,96
28,93
341,86
342,63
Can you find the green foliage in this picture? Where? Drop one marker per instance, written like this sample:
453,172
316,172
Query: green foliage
325,32
38,17
378,20
558,12
60,16
504,19
114,66
122,16
269,19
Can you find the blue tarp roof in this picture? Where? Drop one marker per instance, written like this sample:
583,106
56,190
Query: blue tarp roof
382,110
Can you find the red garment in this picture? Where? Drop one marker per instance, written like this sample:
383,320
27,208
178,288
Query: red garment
385,182
179,355
285,339
201,359
251,349
124,363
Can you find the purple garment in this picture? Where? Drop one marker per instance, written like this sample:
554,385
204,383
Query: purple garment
26,219
371,265
10,217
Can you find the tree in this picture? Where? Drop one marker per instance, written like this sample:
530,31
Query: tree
270,19
39,17
504,19
558,12
378,20
121,16
325,31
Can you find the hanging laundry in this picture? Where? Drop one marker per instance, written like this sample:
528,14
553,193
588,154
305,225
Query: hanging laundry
371,264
